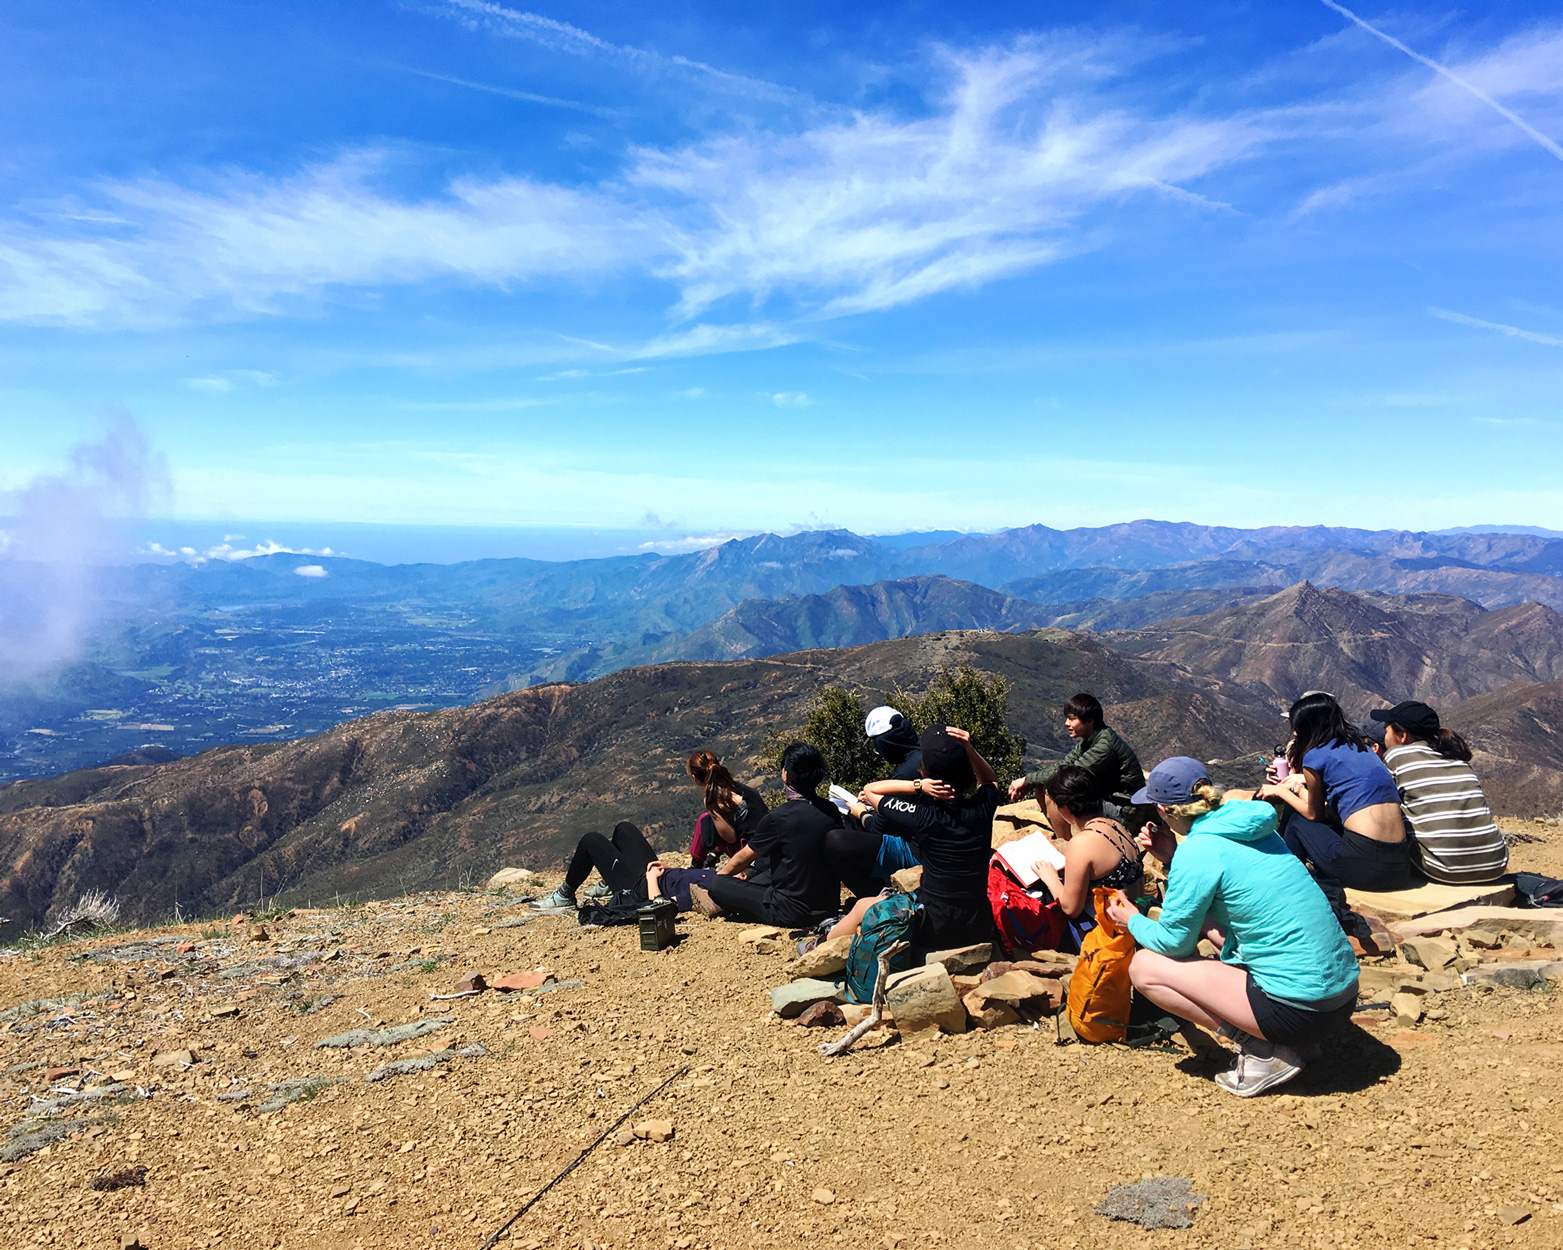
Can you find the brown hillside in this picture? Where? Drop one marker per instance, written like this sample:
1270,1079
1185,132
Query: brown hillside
403,801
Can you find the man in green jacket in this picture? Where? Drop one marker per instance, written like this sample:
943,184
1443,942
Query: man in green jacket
1097,749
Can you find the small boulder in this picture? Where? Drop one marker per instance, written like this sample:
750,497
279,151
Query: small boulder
789,1001
825,960
769,946
513,981
927,999
505,878
823,1196
1429,952
907,879
986,1014
473,981
258,933
1407,1009
654,1130
963,959
822,1015
1019,987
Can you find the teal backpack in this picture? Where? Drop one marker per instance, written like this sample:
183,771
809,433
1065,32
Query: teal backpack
888,921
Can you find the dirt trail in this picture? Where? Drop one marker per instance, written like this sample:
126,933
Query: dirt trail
1439,1134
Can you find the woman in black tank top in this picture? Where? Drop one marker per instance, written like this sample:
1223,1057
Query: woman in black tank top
1098,851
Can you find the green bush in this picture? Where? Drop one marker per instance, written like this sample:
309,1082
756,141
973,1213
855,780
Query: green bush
965,698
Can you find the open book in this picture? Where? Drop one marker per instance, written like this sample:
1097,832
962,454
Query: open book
1023,856
844,799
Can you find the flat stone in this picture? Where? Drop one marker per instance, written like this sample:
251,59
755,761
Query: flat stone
1539,926
963,959
508,877
1019,987
172,1058
1483,938
1521,974
1513,1215
1426,899
825,960
184,948
823,1196
225,1013
789,1001
57,1074
472,981
770,946
759,933
927,999
1431,953
654,1130
513,981
855,1013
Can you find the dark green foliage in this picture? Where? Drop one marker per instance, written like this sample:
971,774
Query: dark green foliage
963,697
973,701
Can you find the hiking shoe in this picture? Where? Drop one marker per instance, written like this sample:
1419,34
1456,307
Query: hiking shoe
805,945
597,891
704,903
561,900
1252,1075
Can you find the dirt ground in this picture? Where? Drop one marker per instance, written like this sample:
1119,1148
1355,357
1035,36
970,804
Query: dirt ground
1442,1134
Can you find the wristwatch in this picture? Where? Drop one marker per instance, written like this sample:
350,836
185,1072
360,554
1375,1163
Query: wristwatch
917,785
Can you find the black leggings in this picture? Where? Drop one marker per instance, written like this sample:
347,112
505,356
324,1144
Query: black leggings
1358,863
621,862
853,854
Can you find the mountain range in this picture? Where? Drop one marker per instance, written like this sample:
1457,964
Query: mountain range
185,656
406,799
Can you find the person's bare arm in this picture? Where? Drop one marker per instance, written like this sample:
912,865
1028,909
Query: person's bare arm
654,879
737,862
1018,789
984,770
931,786
1303,792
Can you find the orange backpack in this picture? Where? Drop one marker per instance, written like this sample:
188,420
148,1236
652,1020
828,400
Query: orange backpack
1099,990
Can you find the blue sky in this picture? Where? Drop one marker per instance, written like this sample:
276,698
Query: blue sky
686,270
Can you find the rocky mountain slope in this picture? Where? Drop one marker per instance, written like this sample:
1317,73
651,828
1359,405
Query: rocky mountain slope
1367,649
407,800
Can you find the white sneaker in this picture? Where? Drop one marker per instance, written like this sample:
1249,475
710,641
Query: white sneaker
1251,1075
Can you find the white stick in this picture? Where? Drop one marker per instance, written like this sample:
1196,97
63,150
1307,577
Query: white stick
876,1011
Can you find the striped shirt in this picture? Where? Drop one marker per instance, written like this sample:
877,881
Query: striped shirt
1457,839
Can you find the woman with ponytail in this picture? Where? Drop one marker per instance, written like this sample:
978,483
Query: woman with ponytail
732,810
1286,976
1456,838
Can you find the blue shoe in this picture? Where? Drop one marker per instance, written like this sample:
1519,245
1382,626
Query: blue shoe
561,900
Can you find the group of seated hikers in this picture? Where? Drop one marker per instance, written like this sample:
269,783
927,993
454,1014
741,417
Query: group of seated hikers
1258,873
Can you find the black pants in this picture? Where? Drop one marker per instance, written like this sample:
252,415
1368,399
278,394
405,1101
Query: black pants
745,900
1358,863
621,863
853,853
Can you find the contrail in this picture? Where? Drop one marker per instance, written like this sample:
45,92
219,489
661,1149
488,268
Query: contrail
1452,77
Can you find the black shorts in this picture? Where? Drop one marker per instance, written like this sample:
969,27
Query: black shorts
1289,1025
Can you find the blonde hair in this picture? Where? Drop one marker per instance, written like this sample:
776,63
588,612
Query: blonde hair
1206,799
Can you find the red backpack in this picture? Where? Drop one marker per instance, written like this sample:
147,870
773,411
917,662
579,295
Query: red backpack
1024,922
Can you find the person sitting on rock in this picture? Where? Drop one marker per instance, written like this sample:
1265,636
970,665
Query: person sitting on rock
732,811
947,813
1345,818
1455,838
788,845
1286,976
1099,850
1099,750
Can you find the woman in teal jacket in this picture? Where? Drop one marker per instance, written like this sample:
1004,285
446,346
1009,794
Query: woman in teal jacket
1286,977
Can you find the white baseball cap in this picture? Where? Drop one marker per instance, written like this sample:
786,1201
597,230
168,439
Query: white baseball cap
879,721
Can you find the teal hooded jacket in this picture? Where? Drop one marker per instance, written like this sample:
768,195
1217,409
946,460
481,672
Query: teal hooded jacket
1234,868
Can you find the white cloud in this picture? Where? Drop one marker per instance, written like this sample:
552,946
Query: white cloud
226,550
1513,332
215,385
310,570
218,384
692,392
791,399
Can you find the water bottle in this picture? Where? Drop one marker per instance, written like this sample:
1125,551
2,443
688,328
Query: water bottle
1279,766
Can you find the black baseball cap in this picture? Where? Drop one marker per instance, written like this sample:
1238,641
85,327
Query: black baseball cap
944,757
1415,718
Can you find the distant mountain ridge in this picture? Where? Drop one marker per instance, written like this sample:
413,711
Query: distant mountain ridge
254,651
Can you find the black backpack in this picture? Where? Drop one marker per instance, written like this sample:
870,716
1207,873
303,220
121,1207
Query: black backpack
1534,890
619,909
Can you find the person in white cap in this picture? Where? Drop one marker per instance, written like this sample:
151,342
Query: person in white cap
894,741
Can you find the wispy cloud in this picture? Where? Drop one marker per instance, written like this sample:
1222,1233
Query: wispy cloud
1451,76
562,37
791,399
1513,332
221,383
530,97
